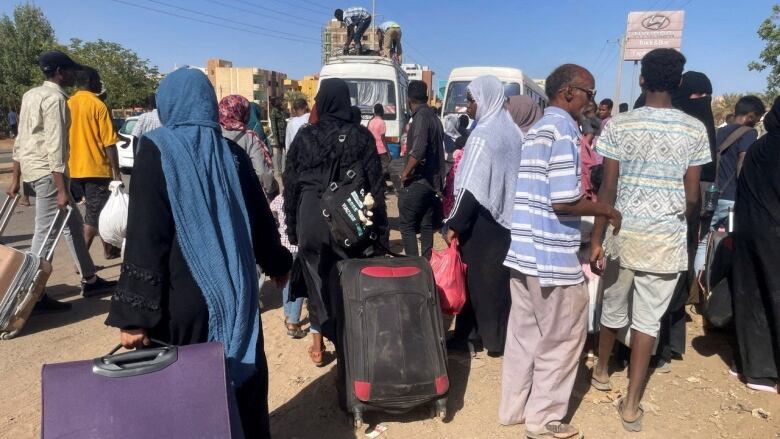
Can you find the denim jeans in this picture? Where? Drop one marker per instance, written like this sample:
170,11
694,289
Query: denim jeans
278,160
292,310
360,28
416,206
719,218
45,210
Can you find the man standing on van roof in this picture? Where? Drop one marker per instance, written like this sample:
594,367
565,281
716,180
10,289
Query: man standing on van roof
389,34
356,20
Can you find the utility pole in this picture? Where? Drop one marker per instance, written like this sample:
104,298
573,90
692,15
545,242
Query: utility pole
619,78
373,23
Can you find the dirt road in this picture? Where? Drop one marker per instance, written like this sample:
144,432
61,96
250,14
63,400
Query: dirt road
698,399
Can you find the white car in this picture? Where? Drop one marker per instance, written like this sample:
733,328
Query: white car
124,145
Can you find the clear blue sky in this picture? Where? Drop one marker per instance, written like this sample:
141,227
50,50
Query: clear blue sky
719,38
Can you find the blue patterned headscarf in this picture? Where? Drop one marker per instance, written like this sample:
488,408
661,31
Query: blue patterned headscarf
212,225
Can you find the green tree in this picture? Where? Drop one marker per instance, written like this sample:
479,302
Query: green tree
291,95
769,31
128,79
23,37
724,105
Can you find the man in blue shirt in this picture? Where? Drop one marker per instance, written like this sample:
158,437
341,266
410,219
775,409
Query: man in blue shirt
548,320
356,20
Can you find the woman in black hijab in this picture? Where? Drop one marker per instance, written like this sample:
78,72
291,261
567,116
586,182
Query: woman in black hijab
305,176
756,287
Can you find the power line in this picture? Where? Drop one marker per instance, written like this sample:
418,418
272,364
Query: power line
601,52
422,56
316,4
198,20
273,11
192,11
286,2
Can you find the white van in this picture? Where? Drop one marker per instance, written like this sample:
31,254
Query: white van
515,83
373,80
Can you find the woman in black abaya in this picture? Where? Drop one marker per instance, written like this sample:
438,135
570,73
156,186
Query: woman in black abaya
306,174
756,278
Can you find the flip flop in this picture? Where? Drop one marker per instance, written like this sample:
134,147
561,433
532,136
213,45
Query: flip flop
636,424
598,385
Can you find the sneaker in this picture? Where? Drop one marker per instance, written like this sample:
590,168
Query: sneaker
662,366
555,430
762,384
47,305
98,287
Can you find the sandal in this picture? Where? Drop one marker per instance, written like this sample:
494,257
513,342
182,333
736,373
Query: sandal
317,356
295,331
598,385
636,424
555,430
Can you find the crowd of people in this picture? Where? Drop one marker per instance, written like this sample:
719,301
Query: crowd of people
547,206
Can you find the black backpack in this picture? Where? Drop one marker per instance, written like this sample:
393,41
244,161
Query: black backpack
342,201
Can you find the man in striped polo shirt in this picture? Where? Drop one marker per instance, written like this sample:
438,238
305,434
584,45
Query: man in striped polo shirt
548,320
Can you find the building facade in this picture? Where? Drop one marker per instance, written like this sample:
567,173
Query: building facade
334,36
309,86
255,84
417,72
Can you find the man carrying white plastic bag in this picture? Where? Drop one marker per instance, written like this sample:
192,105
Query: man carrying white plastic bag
113,217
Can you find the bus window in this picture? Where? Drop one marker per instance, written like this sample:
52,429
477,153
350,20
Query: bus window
365,93
511,89
456,95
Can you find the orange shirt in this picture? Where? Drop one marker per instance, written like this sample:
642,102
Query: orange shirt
91,131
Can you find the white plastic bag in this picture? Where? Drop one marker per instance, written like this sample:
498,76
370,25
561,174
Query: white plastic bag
113,217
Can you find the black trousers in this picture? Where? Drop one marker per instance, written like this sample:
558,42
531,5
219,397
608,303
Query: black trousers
416,206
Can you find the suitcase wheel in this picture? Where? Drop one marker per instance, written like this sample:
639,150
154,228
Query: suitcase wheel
441,409
357,417
9,335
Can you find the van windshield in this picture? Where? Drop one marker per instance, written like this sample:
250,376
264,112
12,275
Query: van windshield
456,95
365,93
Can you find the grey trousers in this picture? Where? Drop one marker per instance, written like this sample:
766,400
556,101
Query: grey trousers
546,332
45,210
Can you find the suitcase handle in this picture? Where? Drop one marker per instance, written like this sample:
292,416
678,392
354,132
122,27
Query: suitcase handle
7,210
62,217
134,363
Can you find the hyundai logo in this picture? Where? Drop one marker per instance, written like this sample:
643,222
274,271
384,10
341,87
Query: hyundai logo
656,22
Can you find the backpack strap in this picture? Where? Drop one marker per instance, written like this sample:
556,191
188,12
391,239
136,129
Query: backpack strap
727,143
335,164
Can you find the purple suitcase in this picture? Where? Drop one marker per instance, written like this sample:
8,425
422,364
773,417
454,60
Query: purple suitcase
165,392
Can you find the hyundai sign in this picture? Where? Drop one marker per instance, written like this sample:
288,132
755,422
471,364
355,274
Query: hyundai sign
652,30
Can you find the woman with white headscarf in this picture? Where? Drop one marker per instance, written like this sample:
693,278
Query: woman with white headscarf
482,215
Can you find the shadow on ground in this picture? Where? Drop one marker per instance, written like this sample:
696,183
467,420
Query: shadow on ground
316,406
716,342
83,309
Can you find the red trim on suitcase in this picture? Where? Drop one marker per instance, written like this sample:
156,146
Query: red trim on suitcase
390,271
362,390
442,384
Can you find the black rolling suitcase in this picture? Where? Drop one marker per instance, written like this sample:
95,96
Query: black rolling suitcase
393,337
